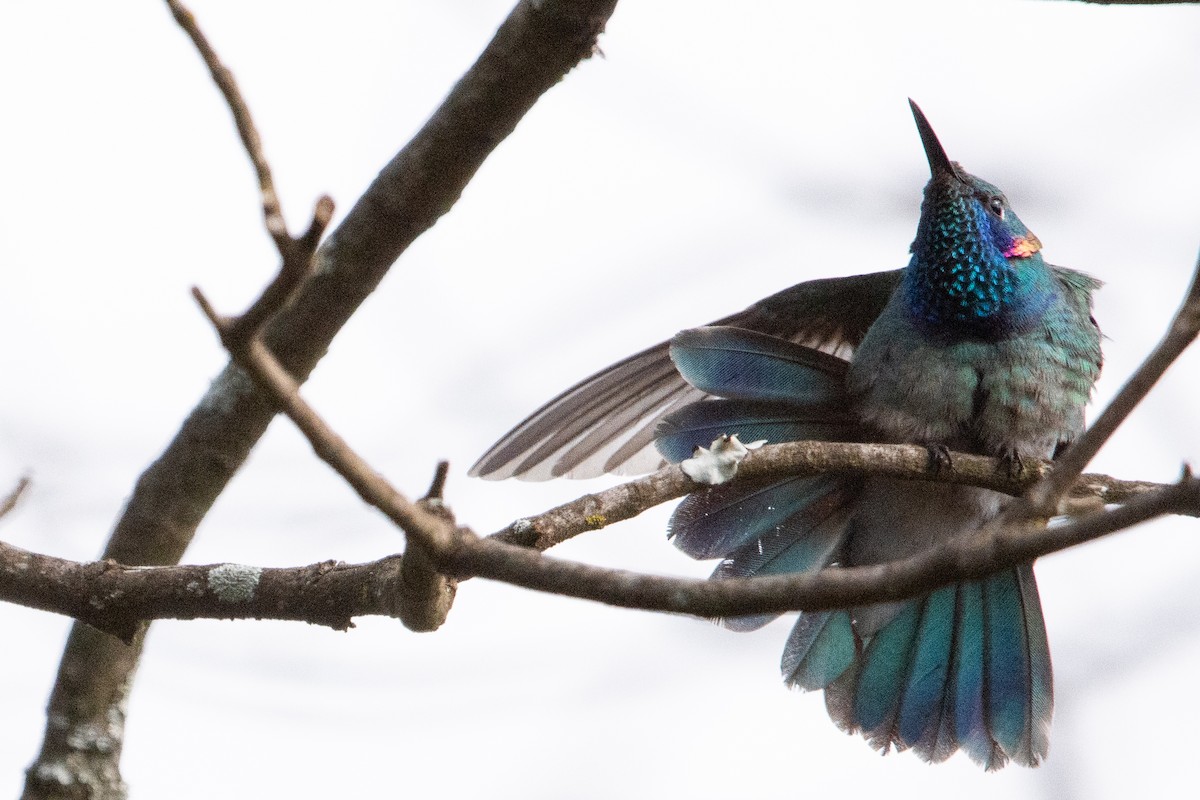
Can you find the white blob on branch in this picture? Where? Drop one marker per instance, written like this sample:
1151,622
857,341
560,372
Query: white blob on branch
719,461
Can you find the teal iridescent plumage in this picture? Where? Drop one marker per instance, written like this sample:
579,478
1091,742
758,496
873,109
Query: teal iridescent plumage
977,345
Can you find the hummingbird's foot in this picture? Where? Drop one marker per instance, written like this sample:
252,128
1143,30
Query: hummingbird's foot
1011,463
939,458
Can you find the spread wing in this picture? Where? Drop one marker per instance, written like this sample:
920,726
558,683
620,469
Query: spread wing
606,423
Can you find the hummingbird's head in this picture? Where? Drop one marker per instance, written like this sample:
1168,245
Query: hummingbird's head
970,247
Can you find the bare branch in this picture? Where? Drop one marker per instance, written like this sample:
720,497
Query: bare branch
272,211
118,599
1043,498
298,259
627,500
14,496
534,48
331,448
968,556
296,253
428,524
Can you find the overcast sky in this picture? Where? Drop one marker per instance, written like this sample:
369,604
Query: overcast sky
717,153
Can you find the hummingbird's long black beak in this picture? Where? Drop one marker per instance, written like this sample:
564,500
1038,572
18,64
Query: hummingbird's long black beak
939,162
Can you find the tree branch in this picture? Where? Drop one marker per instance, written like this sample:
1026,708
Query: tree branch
223,78
118,598
428,525
968,556
1043,498
627,500
533,49
14,496
440,547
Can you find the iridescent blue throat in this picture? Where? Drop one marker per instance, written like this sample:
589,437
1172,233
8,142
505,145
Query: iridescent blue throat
961,282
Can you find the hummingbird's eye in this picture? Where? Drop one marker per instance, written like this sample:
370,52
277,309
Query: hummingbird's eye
996,204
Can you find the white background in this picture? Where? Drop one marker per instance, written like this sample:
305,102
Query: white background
717,153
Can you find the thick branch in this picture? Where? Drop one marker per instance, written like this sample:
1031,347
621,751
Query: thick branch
531,52
118,599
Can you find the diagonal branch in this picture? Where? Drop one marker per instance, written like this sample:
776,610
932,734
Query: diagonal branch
531,52
1043,498
14,496
247,131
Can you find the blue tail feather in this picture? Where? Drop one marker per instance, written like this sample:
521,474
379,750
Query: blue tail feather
806,541
971,725
967,666
882,674
819,649
1007,662
921,703
1018,680
718,521
1041,678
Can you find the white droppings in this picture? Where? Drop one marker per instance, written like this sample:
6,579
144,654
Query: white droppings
521,526
234,583
718,462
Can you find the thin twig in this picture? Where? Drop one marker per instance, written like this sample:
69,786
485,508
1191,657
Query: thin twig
297,265
272,211
1043,498
331,448
296,253
14,496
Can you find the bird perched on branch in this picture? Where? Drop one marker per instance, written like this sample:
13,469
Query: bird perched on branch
977,345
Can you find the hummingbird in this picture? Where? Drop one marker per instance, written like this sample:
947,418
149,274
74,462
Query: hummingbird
977,345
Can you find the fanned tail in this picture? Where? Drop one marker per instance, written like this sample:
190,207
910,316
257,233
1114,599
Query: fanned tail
966,667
